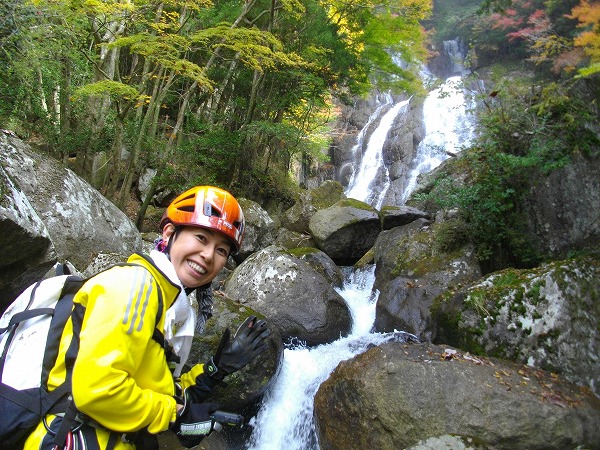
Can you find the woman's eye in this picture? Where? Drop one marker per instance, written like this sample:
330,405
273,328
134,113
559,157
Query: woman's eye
223,251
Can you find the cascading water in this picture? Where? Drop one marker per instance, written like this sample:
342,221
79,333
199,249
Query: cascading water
285,420
449,127
371,166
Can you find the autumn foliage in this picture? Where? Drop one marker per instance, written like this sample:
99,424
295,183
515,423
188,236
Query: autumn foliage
588,15
561,36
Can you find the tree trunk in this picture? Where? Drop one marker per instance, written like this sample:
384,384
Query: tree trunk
169,149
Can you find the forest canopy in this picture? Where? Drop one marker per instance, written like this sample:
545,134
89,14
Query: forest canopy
237,93
225,92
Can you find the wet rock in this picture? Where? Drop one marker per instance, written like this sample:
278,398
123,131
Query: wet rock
396,395
346,230
412,270
296,298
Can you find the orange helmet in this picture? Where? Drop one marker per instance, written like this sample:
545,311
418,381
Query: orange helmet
208,207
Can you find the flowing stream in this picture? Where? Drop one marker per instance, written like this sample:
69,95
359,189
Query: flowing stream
285,418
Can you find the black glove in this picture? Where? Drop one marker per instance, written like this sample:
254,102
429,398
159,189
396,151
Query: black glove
204,386
193,422
248,342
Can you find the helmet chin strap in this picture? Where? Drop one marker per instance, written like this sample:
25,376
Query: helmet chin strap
166,249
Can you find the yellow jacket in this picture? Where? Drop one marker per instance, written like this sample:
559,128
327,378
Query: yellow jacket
121,378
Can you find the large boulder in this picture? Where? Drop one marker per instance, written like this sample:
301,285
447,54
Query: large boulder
321,263
414,264
28,249
297,218
79,221
260,229
546,317
346,230
396,216
395,395
297,299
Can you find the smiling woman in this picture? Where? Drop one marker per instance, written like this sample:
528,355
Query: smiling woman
134,325
200,229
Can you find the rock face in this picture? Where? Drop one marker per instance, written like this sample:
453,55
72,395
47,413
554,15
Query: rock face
546,317
80,223
394,395
299,301
20,225
563,210
412,269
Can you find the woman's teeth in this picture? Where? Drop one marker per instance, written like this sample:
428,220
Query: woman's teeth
196,267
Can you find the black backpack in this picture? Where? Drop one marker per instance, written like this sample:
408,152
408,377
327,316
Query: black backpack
40,313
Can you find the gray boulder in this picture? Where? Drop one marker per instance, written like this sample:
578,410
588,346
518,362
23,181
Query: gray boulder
297,218
346,230
412,269
396,216
545,317
321,263
260,229
79,221
298,300
396,395
28,250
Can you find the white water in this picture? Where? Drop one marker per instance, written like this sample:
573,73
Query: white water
449,127
285,420
361,184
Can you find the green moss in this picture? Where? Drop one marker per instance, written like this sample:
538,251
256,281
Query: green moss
327,194
355,204
422,262
534,295
301,251
477,301
450,235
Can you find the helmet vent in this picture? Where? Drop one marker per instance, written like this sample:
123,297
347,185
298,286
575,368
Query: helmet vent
209,210
187,208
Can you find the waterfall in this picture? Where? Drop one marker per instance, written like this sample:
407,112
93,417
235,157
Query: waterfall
360,137
449,127
362,184
285,419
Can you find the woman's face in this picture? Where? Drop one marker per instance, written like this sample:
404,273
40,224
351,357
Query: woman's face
198,254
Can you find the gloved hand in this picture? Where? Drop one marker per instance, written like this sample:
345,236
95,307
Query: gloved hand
193,422
248,342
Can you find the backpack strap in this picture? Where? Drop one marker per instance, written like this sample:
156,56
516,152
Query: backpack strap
71,414
158,336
